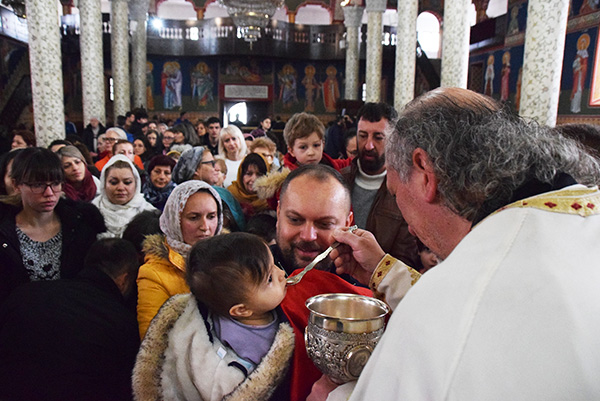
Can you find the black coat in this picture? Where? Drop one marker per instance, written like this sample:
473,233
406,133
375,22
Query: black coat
87,136
80,223
67,340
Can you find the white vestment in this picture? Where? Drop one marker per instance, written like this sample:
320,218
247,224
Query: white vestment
512,314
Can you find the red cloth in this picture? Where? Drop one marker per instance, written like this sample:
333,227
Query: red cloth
303,372
102,162
290,162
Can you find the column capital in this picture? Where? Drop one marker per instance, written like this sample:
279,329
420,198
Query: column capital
378,6
353,16
138,9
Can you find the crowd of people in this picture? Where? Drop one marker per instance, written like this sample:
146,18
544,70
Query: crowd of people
149,260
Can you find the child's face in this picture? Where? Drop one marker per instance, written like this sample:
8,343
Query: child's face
308,150
428,259
266,296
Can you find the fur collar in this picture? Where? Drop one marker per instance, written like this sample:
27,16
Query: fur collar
155,357
267,186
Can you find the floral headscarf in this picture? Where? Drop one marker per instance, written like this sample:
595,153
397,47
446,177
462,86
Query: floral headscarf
170,220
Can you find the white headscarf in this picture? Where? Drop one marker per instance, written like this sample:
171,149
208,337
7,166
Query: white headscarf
117,217
170,220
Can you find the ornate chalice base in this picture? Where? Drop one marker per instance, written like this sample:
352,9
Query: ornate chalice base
341,356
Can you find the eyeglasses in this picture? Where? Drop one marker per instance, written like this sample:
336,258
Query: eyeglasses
40,187
211,162
171,138
111,139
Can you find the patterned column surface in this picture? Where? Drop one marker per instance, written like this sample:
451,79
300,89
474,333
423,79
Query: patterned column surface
92,64
543,59
352,21
46,70
120,55
455,46
138,65
138,10
375,9
404,85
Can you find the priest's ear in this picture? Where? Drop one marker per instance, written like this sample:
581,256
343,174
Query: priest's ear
240,311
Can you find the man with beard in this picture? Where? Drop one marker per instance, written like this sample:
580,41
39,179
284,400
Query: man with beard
314,201
375,210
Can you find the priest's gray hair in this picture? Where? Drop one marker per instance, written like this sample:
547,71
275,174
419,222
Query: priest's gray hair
480,152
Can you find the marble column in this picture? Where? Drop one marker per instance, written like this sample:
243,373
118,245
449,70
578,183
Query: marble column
46,70
352,21
92,60
543,59
406,56
119,45
455,43
138,11
375,10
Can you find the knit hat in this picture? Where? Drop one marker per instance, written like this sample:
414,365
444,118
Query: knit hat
160,160
70,151
187,164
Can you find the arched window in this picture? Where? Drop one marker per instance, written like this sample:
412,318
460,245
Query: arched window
313,14
428,34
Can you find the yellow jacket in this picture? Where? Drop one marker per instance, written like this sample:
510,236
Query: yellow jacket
160,277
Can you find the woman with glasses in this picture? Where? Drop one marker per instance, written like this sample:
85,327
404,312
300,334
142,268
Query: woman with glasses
42,236
196,164
121,198
192,212
232,148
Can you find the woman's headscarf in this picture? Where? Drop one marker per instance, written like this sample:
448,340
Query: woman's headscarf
87,191
240,193
187,164
117,217
234,207
170,220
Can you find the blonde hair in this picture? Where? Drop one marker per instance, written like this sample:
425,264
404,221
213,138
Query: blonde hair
234,131
263,143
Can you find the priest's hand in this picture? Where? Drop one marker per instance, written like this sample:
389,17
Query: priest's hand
358,255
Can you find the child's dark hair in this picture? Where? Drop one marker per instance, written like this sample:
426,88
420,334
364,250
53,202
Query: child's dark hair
264,225
222,269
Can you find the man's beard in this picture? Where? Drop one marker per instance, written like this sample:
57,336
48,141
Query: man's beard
292,263
371,166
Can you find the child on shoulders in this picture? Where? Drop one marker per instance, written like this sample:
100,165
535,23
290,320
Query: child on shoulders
304,135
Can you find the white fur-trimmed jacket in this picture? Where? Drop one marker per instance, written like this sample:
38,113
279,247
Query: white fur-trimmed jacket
180,359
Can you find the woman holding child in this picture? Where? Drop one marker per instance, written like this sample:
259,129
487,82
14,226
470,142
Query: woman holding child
228,339
193,212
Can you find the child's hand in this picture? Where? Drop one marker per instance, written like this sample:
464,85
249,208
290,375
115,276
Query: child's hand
321,389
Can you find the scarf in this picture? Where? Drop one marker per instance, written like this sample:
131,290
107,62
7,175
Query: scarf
242,195
187,164
116,217
170,220
85,193
157,196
